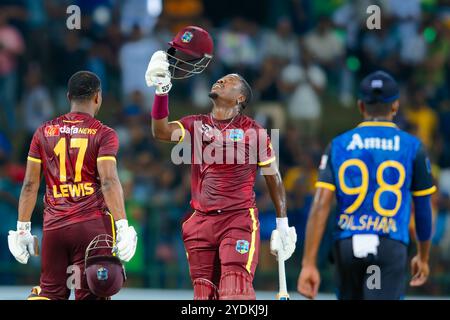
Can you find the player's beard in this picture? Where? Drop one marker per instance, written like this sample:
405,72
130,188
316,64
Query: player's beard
213,95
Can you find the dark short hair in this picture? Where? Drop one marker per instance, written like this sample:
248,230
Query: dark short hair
83,85
246,90
378,109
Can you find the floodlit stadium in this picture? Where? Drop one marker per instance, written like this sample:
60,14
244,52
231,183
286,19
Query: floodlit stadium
303,72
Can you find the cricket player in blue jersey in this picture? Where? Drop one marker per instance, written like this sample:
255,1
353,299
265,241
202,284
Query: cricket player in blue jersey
375,171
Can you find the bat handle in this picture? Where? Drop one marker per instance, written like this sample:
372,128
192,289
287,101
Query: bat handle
282,294
36,246
282,276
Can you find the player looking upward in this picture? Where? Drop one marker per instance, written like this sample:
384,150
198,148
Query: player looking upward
221,236
77,155
375,170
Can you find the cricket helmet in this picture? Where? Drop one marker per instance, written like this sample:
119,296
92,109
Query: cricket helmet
105,273
190,52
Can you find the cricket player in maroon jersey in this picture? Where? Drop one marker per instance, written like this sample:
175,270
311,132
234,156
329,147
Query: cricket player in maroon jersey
83,198
221,236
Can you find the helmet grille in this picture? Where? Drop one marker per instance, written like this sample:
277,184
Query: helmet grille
183,65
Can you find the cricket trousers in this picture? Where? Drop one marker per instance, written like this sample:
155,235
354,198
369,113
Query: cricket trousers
218,243
356,277
63,251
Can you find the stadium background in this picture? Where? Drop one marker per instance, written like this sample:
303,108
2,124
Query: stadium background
303,58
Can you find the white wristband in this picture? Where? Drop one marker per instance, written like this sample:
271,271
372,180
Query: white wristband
282,223
122,224
23,225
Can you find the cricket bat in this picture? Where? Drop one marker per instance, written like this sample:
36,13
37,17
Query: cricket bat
36,246
282,292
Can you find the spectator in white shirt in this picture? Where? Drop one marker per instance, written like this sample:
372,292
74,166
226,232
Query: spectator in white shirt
324,44
142,13
282,43
132,57
36,101
303,85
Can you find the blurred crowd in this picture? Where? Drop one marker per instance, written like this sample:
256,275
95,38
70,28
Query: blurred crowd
304,60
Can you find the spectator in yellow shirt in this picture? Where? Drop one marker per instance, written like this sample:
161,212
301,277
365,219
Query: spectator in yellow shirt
422,117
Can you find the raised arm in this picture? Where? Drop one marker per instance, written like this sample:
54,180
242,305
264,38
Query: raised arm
158,76
162,129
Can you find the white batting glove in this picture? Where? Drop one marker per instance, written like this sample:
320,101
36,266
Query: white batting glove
126,240
283,239
21,243
158,74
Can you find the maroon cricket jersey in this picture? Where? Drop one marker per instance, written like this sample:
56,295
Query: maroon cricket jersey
68,148
222,179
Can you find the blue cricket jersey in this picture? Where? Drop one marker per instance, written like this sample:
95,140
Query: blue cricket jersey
375,169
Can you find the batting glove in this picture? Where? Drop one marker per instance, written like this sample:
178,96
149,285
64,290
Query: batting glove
21,243
283,239
158,74
126,240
